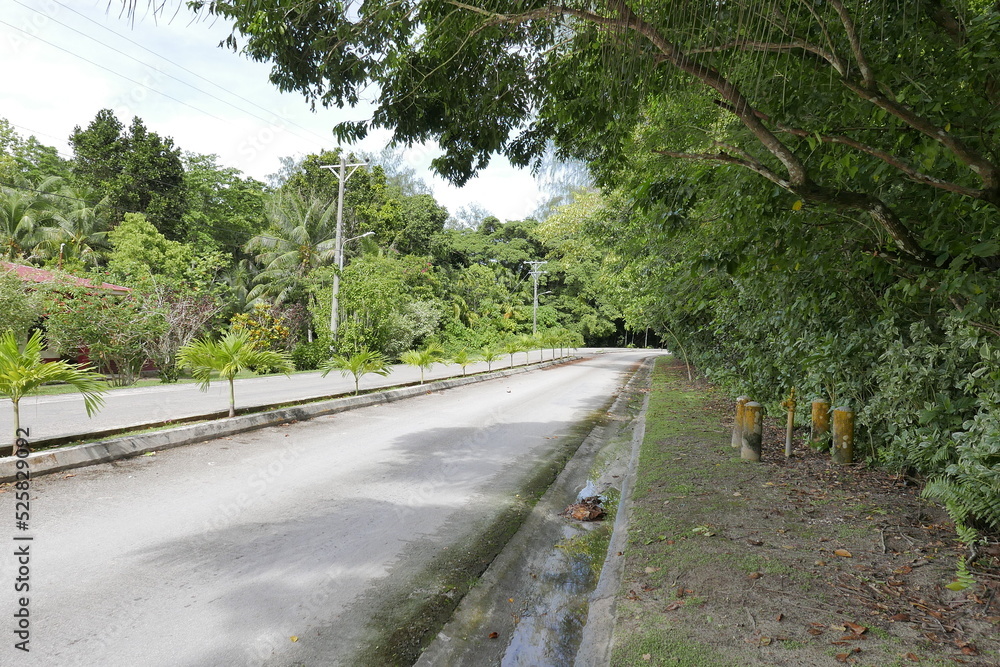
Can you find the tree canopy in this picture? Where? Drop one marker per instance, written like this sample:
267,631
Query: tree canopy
140,171
848,106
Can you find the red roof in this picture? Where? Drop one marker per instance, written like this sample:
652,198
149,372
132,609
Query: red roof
36,275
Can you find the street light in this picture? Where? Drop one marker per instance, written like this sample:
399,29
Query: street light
536,272
346,241
342,176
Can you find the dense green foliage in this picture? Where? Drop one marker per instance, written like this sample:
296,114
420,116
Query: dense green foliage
796,193
20,307
139,171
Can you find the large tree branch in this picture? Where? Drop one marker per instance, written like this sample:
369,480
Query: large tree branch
879,211
982,167
852,36
725,158
891,160
751,45
713,79
625,19
837,63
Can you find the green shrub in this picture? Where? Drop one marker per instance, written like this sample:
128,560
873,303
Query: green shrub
309,356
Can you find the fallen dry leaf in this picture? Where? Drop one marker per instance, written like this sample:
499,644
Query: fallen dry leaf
588,509
294,638
843,553
912,657
855,628
493,635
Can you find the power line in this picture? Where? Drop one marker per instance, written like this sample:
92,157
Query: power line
108,69
177,65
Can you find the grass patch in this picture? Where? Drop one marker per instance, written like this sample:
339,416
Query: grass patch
661,646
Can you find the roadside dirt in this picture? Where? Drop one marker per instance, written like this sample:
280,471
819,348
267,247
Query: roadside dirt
788,562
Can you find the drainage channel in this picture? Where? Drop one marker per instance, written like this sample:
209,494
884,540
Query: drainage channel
530,607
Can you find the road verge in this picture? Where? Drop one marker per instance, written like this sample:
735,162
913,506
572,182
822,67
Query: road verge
793,562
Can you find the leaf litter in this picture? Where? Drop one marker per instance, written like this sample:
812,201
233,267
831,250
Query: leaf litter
860,571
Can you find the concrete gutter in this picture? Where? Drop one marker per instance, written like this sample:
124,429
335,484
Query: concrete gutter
77,456
598,633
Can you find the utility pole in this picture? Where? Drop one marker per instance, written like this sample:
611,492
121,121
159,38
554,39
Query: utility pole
338,254
535,273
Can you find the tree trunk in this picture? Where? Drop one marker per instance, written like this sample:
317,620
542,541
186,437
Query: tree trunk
232,399
17,425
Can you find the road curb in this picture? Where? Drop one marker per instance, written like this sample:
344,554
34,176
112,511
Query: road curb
92,453
598,634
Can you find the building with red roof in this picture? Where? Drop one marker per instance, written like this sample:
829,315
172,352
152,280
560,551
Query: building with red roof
33,274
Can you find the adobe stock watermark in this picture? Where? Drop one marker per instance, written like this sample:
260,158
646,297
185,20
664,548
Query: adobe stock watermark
22,542
33,25
258,140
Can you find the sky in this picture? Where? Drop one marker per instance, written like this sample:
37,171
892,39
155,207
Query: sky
65,60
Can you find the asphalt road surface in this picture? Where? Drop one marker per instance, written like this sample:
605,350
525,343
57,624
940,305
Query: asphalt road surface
64,414
284,546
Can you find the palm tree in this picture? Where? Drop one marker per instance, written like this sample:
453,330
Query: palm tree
551,339
301,236
490,354
358,365
512,347
463,359
527,344
228,356
23,371
24,211
422,359
79,230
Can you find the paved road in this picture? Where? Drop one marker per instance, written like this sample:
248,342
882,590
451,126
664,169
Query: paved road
62,415
219,553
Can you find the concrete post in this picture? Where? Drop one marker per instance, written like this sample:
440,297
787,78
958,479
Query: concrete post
819,436
737,441
753,430
843,436
790,406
